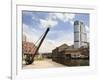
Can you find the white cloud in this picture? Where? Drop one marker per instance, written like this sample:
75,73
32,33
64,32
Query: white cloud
44,23
31,33
72,22
51,20
48,22
65,17
59,16
68,16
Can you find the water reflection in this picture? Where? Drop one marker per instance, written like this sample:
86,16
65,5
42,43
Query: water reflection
77,62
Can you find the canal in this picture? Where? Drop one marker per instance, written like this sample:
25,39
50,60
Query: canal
77,62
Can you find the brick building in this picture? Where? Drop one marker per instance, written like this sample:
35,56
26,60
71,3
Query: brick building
28,47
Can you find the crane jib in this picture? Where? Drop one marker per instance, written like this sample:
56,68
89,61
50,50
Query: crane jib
30,58
41,42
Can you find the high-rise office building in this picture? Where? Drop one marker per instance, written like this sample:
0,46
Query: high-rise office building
80,35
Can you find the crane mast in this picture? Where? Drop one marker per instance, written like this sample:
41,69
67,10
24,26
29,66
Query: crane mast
30,57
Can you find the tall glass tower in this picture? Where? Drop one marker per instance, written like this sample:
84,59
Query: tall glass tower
80,35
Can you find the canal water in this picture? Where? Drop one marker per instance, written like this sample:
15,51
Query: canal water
77,62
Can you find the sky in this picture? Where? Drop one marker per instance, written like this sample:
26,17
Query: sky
61,27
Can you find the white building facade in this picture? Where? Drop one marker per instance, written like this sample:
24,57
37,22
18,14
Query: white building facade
80,35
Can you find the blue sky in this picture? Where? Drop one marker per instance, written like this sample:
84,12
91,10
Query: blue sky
61,27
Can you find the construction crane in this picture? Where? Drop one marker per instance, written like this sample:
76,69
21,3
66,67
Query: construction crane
30,57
